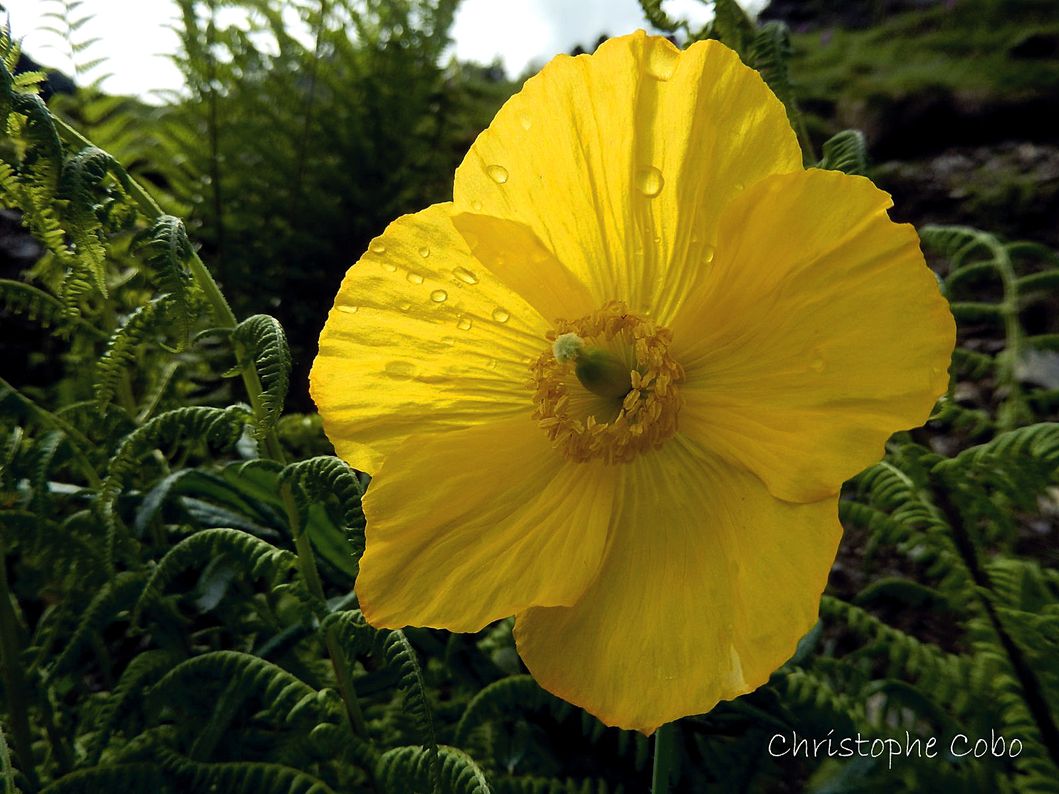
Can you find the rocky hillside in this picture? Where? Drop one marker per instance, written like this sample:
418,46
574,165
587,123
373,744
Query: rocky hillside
959,100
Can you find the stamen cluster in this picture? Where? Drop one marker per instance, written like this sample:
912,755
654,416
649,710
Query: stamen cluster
641,420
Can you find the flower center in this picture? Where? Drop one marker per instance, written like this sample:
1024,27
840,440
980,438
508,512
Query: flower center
607,387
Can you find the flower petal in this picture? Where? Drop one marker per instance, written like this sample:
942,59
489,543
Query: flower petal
514,254
421,339
621,162
819,333
475,525
708,584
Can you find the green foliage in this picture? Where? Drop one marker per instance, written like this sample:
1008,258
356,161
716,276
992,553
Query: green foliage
123,343
847,152
408,769
166,251
258,557
261,340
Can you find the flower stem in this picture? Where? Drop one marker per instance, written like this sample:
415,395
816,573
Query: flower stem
665,758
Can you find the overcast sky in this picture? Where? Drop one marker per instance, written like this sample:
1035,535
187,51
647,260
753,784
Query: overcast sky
135,38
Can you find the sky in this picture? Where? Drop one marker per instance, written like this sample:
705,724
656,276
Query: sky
135,36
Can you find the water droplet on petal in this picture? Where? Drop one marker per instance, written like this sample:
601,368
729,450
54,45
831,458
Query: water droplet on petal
708,253
817,363
740,186
464,323
465,275
348,309
525,121
400,370
424,252
662,61
377,248
476,206
389,267
649,181
501,315
404,306
439,296
415,278
497,173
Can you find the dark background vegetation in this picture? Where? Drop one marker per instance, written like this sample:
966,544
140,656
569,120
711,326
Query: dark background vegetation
284,161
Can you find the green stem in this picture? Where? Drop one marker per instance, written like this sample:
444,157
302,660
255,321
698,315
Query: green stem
225,317
307,565
665,758
15,681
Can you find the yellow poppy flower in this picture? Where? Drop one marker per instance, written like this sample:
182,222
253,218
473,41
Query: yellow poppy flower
613,387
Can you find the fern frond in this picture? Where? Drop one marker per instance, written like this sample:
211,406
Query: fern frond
218,426
41,456
733,26
278,690
260,339
166,250
34,304
80,187
239,777
943,675
315,479
259,558
406,769
515,694
121,347
117,595
143,671
135,778
402,657
770,53
6,769
846,152
658,17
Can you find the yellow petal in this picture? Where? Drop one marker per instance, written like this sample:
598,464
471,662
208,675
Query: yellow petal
421,339
708,584
475,525
622,161
819,333
514,254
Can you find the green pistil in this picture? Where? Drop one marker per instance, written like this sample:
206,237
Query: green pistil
598,370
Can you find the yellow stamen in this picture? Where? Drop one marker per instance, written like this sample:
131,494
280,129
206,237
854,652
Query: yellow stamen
613,424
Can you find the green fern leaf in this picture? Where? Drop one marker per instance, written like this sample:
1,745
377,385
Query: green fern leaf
251,777
278,690
406,769
143,671
260,339
846,152
218,426
134,778
117,595
260,559
122,345
166,250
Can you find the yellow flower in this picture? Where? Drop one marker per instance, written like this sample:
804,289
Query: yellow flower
613,388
